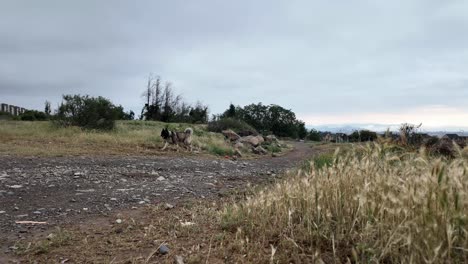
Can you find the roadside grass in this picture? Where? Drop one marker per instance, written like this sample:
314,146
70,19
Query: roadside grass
368,205
129,137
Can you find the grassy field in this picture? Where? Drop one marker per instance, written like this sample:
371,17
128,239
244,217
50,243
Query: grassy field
129,137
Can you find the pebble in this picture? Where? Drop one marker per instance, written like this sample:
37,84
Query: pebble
118,221
2,212
163,249
168,206
161,178
179,259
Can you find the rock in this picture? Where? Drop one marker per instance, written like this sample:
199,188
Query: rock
118,221
163,249
237,153
16,186
271,139
274,155
179,259
168,206
231,135
113,199
161,178
252,140
259,150
238,145
2,212
141,202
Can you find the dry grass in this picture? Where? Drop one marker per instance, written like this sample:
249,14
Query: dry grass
367,206
129,137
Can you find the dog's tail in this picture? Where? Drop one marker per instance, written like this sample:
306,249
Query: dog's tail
189,131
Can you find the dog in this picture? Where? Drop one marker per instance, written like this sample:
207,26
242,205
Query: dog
176,138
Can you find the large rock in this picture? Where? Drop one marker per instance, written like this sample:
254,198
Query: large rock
231,135
252,140
271,139
259,150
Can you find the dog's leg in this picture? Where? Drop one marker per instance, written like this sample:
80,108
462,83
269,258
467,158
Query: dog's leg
165,145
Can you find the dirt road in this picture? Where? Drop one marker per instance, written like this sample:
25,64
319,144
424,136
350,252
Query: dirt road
63,189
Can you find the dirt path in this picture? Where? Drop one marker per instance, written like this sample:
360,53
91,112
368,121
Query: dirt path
64,189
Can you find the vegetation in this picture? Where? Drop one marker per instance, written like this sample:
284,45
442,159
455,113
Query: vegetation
314,135
371,206
87,112
363,136
268,119
128,137
162,105
33,115
229,123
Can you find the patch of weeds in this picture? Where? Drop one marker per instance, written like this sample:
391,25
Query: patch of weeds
54,240
220,151
323,160
273,148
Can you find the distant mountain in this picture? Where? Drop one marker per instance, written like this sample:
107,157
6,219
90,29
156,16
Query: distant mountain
349,128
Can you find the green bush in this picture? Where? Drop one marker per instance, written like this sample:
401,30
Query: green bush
313,135
229,123
33,115
87,112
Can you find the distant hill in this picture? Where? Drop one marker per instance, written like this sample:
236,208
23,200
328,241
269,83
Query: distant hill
349,128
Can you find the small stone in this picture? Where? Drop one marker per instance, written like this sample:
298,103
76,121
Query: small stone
113,199
161,178
141,202
22,216
163,249
36,212
85,209
118,221
2,212
168,206
16,186
179,259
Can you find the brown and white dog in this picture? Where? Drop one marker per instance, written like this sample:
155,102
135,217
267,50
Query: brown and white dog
176,138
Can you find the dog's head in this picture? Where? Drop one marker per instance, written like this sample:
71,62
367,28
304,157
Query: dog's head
165,133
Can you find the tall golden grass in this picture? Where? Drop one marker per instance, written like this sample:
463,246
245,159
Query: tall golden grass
371,205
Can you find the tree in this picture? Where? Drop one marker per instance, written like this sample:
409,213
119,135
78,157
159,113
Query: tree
87,112
314,135
269,119
231,112
47,108
163,105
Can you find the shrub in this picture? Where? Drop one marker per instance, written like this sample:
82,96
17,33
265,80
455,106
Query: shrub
87,112
229,123
33,115
314,135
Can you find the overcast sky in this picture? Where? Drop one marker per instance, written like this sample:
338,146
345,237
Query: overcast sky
328,61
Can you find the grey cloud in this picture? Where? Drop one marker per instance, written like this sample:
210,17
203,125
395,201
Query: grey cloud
313,57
